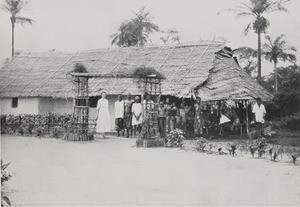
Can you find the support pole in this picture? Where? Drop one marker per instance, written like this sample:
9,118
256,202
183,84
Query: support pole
247,118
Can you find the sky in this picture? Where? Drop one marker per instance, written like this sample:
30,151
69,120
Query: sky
77,25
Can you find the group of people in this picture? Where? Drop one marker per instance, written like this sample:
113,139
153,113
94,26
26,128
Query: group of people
128,114
189,115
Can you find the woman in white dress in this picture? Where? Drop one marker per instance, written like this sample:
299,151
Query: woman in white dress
103,118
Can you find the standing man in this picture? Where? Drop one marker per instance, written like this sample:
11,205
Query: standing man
162,119
119,114
183,116
259,112
168,106
199,120
174,117
190,117
128,114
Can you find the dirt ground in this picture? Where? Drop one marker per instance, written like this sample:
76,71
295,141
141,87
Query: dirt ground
113,171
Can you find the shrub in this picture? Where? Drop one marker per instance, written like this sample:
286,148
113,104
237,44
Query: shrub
201,144
175,138
37,125
291,122
283,104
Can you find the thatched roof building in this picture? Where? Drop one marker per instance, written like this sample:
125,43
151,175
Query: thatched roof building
185,66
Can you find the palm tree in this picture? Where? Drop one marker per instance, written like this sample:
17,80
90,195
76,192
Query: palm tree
256,9
278,50
14,7
136,31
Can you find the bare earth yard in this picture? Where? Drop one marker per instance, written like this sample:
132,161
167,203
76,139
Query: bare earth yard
113,171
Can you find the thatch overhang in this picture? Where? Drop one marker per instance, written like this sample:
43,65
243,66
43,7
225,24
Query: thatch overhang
227,81
185,66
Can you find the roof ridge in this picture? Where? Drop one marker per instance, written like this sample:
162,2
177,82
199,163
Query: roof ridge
96,50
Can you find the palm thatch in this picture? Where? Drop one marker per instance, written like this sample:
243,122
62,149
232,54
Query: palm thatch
228,81
184,66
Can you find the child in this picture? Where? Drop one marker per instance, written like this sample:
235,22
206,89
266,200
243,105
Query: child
137,118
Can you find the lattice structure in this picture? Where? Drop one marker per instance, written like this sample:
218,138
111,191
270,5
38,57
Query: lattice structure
151,86
81,108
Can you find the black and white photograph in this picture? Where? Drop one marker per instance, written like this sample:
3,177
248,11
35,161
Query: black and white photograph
150,102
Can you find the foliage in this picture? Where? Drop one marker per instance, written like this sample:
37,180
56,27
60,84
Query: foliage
170,35
282,105
288,80
201,144
175,138
54,125
287,101
79,68
278,50
143,72
14,7
5,176
290,122
256,10
135,32
247,58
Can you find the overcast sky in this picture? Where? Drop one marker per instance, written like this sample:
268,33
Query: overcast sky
76,25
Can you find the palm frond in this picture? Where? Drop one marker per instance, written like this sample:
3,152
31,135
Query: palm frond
243,14
5,8
232,10
24,20
291,48
115,39
247,28
270,40
288,57
267,47
277,5
280,39
267,55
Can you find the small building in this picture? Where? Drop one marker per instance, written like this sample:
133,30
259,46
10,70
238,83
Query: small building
38,83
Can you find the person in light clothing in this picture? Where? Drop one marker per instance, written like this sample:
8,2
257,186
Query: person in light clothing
119,114
103,118
137,118
259,112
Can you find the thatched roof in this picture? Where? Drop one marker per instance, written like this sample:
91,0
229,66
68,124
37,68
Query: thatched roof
228,81
185,66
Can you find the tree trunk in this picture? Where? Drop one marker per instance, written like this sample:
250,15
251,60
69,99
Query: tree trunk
276,81
12,40
259,57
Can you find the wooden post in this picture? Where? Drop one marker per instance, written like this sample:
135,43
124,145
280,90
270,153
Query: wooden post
241,124
247,118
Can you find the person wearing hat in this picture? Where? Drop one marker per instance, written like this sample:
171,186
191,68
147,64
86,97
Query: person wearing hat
137,118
